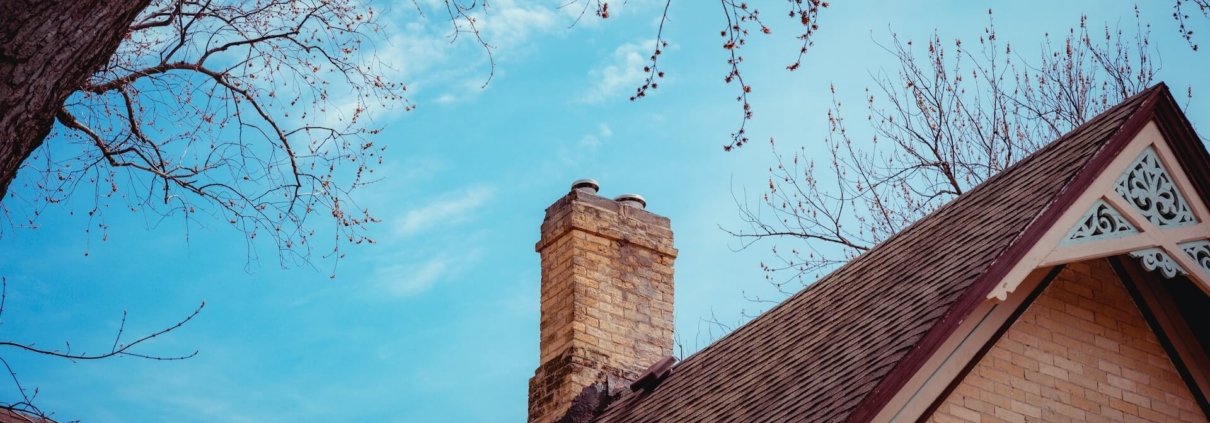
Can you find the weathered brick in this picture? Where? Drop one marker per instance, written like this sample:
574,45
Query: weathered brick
606,300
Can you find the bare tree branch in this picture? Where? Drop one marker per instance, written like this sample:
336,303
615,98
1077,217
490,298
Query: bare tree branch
939,126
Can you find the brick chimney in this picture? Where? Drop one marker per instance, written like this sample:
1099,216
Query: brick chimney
606,301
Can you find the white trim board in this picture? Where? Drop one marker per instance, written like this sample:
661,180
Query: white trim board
948,362
1050,249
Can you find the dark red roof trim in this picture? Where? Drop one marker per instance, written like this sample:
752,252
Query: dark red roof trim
928,413
1189,150
828,351
966,304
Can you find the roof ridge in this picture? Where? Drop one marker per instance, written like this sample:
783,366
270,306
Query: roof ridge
916,224
1013,252
840,344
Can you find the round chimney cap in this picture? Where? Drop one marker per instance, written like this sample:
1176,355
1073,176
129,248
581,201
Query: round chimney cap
633,200
589,185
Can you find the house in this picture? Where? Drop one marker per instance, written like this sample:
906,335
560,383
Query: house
1070,287
15,416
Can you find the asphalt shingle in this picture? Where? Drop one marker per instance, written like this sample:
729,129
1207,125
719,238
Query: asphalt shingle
820,354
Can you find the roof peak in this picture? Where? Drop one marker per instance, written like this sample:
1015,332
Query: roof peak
840,345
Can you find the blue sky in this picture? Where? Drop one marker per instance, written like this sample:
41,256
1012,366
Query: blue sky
438,322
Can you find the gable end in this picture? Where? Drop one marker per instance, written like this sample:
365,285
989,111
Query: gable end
1082,351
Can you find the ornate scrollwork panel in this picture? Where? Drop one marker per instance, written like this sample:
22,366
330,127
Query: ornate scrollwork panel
1199,251
1149,187
1156,258
1101,221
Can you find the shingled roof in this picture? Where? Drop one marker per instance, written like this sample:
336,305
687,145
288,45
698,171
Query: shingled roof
12,416
839,349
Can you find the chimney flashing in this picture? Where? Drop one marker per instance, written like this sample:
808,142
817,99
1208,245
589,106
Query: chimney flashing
654,374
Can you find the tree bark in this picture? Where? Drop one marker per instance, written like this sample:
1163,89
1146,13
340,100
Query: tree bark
48,49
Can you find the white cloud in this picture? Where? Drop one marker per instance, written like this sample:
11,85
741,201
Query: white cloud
509,25
450,209
406,268
623,73
415,278
426,54
415,170
590,142
409,179
412,279
418,47
584,15
421,54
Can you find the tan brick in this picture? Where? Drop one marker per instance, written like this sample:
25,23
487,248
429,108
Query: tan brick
977,405
964,413
1009,415
947,418
606,304
1109,367
1082,352
1027,410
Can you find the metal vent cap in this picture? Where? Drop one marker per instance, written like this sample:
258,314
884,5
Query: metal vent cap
589,186
633,200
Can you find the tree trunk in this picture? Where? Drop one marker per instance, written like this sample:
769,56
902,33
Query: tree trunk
48,49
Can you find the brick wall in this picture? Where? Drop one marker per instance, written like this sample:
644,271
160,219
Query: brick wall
1081,352
607,294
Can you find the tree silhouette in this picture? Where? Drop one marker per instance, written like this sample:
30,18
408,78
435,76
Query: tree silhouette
250,111
950,118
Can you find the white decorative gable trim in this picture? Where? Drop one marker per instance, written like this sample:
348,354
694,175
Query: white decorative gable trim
1149,188
1199,251
1101,221
1155,258
1143,205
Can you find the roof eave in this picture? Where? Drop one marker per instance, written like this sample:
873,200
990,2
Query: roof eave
1160,106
